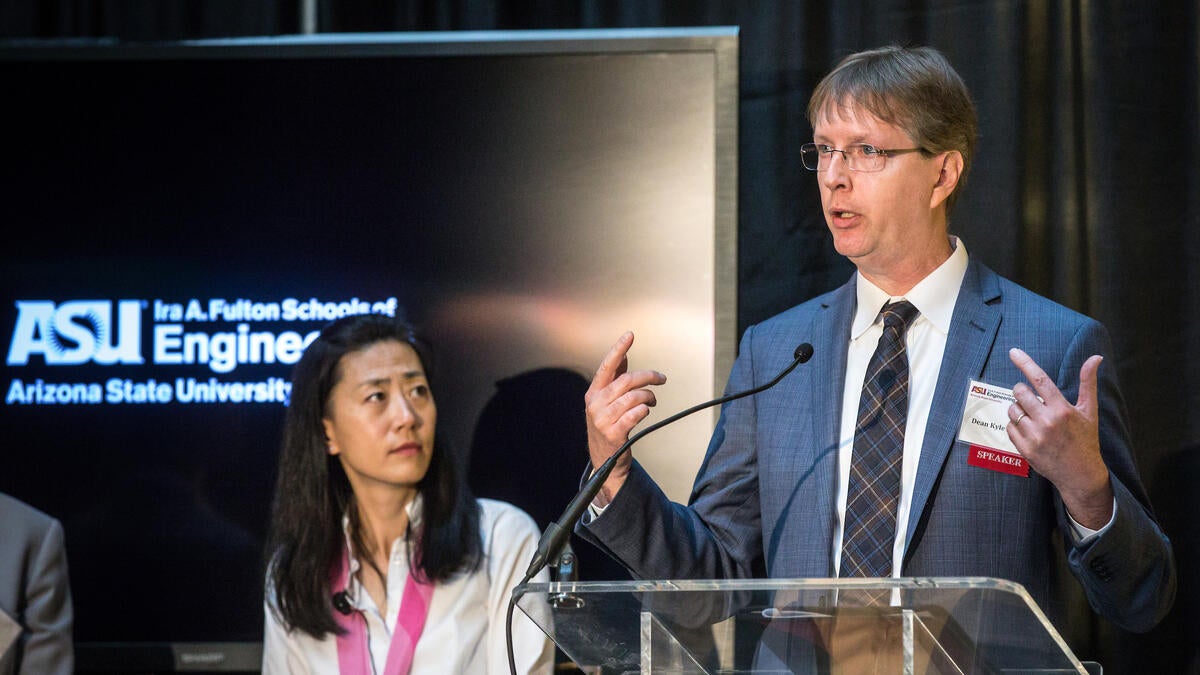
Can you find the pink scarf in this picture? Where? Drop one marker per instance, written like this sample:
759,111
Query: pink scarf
354,656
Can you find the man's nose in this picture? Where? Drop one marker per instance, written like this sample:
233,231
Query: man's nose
836,172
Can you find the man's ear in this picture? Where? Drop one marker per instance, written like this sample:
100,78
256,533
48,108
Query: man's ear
947,178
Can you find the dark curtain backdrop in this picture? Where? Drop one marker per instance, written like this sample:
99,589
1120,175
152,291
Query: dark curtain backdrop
1086,188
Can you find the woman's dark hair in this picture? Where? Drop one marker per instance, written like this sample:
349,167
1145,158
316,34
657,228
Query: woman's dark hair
312,493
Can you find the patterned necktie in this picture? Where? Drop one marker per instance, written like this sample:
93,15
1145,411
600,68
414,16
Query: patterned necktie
874,489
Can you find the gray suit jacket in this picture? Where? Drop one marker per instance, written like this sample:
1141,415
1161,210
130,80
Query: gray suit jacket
763,500
34,591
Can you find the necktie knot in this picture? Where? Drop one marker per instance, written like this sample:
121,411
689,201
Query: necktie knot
898,314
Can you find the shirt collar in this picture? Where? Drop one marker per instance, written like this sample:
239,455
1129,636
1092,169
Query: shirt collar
934,296
414,510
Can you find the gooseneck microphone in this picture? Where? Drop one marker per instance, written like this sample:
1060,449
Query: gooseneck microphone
556,533
555,536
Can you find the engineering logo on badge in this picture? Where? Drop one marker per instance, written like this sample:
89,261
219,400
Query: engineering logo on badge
985,428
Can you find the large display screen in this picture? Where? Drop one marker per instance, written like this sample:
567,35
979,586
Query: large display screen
182,218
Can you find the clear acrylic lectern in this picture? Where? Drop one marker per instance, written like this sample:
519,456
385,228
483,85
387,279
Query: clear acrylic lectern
920,626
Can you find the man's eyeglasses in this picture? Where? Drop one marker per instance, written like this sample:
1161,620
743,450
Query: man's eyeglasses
858,157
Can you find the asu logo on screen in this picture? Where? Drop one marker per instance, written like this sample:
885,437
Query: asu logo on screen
77,332
155,345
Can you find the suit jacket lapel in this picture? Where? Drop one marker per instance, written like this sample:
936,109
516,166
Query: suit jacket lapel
830,333
831,328
973,328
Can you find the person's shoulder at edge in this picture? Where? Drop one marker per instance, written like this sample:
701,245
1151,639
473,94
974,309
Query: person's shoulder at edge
11,506
26,525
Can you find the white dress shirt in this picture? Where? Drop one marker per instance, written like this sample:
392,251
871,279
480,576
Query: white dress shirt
465,628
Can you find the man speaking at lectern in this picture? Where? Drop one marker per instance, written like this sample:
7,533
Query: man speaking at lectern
873,459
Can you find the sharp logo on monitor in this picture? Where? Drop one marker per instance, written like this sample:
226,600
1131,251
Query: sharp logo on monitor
109,333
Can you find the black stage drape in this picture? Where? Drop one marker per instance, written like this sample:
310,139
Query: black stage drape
1086,188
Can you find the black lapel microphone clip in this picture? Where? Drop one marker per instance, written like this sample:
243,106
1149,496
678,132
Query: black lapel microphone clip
341,602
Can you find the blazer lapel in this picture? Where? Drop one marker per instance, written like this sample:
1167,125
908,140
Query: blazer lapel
973,328
831,328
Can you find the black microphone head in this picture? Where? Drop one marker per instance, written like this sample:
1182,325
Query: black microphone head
341,602
803,352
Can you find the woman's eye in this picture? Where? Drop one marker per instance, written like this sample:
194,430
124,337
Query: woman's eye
868,150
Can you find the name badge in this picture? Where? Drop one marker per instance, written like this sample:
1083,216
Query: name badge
984,427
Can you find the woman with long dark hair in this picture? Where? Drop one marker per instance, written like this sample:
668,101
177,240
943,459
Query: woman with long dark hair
379,558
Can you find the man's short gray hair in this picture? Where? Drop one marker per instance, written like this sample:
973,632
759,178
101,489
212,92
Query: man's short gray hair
914,88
